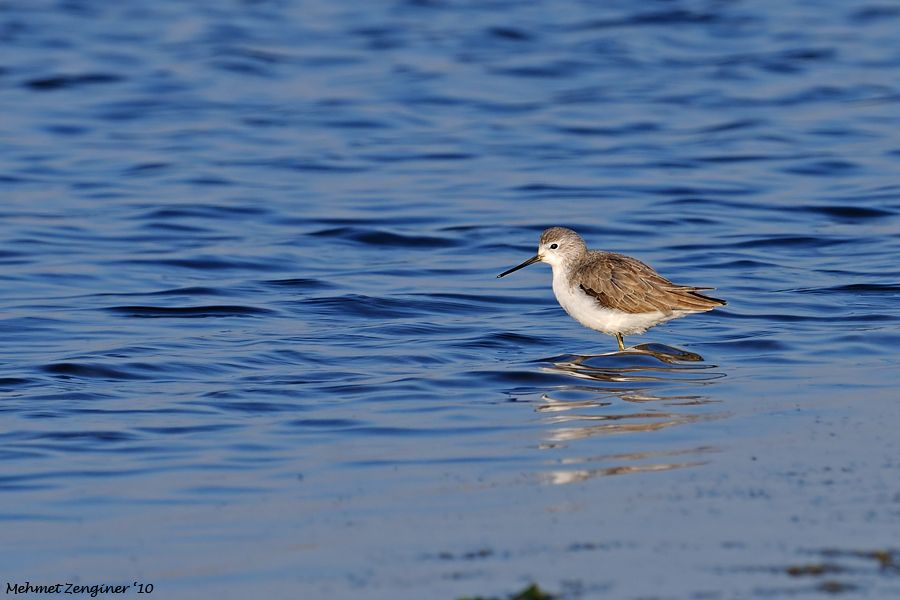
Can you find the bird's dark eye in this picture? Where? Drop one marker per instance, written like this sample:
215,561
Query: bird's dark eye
554,246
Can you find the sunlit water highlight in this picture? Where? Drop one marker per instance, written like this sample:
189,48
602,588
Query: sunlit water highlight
254,343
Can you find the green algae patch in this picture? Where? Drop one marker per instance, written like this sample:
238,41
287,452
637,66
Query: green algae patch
532,592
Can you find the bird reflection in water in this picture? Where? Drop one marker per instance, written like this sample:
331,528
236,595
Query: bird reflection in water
645,362
616,384
659,461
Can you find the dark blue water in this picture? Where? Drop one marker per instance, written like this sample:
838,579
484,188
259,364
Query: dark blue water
253,342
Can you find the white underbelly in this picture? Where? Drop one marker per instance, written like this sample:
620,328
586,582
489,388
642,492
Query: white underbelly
585,309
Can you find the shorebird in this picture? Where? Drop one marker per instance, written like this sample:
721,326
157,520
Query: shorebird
612,293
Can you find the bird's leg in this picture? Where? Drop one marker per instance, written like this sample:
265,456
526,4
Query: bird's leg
621,341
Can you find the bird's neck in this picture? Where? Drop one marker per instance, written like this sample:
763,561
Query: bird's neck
560,276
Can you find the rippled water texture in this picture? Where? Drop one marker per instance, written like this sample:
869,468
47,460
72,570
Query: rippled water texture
254,344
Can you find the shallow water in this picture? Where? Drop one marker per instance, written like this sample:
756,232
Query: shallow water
254,342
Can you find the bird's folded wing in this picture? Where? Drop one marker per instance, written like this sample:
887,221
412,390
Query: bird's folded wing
626,284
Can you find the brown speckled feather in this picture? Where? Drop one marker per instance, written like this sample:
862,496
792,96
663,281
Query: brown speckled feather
624,283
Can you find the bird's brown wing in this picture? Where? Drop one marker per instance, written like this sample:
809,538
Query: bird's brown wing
626,284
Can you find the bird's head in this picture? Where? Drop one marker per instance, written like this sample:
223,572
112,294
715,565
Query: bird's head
556,247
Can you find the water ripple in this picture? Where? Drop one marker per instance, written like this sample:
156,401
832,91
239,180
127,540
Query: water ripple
195,312
376,237
248,259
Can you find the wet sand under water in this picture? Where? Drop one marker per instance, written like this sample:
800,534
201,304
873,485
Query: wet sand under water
254,343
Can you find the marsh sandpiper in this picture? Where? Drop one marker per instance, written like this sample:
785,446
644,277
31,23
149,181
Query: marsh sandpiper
612,293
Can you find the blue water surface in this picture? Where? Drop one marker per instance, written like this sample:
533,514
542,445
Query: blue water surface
254,345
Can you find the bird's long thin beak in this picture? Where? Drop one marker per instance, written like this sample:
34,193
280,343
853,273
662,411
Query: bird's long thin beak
532,260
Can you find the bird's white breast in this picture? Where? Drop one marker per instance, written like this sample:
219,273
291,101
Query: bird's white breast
585,309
